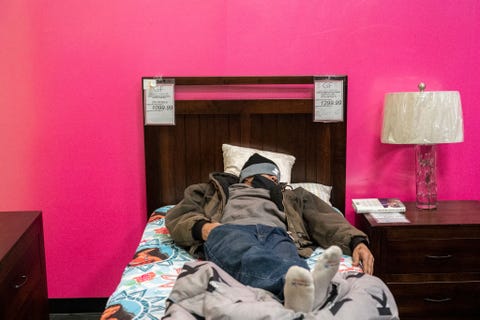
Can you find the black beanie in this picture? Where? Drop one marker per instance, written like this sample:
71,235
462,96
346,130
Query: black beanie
258,164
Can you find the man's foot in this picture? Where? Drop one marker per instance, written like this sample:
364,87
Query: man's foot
299,289
325,268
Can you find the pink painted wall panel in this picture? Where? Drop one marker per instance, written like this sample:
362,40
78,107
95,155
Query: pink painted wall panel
71,132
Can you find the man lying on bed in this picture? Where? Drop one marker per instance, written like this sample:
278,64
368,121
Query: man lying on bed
259,232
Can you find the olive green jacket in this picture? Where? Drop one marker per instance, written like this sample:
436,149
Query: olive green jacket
310,221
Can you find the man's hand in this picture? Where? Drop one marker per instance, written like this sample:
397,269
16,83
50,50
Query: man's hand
361,254
207,227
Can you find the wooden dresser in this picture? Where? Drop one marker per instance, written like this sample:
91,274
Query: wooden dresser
23,285
432,264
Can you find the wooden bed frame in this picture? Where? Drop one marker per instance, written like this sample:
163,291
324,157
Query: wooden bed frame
185,153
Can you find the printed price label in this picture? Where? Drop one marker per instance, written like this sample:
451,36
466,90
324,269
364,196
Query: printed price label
159,102
329,100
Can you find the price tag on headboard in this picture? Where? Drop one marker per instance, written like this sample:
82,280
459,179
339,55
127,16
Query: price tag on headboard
159,101
329,98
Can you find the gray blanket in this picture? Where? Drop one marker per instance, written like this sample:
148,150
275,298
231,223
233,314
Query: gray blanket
204,291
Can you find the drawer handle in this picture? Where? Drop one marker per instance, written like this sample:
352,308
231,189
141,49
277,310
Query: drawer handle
447,256
437,300
23,279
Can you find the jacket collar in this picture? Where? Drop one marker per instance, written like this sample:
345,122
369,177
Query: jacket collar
223,180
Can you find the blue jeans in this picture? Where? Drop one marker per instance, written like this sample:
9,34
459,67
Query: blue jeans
255,255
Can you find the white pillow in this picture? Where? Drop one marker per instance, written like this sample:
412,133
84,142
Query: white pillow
234,157
320,190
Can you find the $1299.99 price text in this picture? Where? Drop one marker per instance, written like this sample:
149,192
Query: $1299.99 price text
329,102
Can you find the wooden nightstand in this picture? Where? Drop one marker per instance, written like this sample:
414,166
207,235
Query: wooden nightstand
23,285
431,264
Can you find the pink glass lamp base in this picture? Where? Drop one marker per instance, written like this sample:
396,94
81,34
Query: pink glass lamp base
426,180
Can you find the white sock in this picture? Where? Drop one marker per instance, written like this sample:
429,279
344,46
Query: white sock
298,289
325,268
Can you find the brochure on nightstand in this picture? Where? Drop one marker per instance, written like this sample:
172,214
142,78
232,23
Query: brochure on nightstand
389,217
369,205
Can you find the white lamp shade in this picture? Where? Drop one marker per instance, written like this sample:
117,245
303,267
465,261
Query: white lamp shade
425,117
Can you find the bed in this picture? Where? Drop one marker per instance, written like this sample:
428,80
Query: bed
219,120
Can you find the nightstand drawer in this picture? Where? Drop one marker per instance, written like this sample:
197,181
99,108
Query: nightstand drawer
432,256
435,299
21,281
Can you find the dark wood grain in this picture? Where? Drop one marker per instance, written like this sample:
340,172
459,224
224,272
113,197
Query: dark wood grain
183,154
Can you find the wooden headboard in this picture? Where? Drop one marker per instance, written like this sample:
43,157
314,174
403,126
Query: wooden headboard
185,153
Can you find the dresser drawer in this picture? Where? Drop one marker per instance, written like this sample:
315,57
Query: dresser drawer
432,256
22,293
437,299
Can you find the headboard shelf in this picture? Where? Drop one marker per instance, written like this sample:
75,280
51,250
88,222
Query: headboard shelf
183,154
243,80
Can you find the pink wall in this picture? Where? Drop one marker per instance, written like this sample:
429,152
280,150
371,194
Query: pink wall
71,136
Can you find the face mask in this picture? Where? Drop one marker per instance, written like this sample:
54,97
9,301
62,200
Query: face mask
260,181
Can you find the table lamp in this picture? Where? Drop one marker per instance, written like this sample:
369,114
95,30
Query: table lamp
423,118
